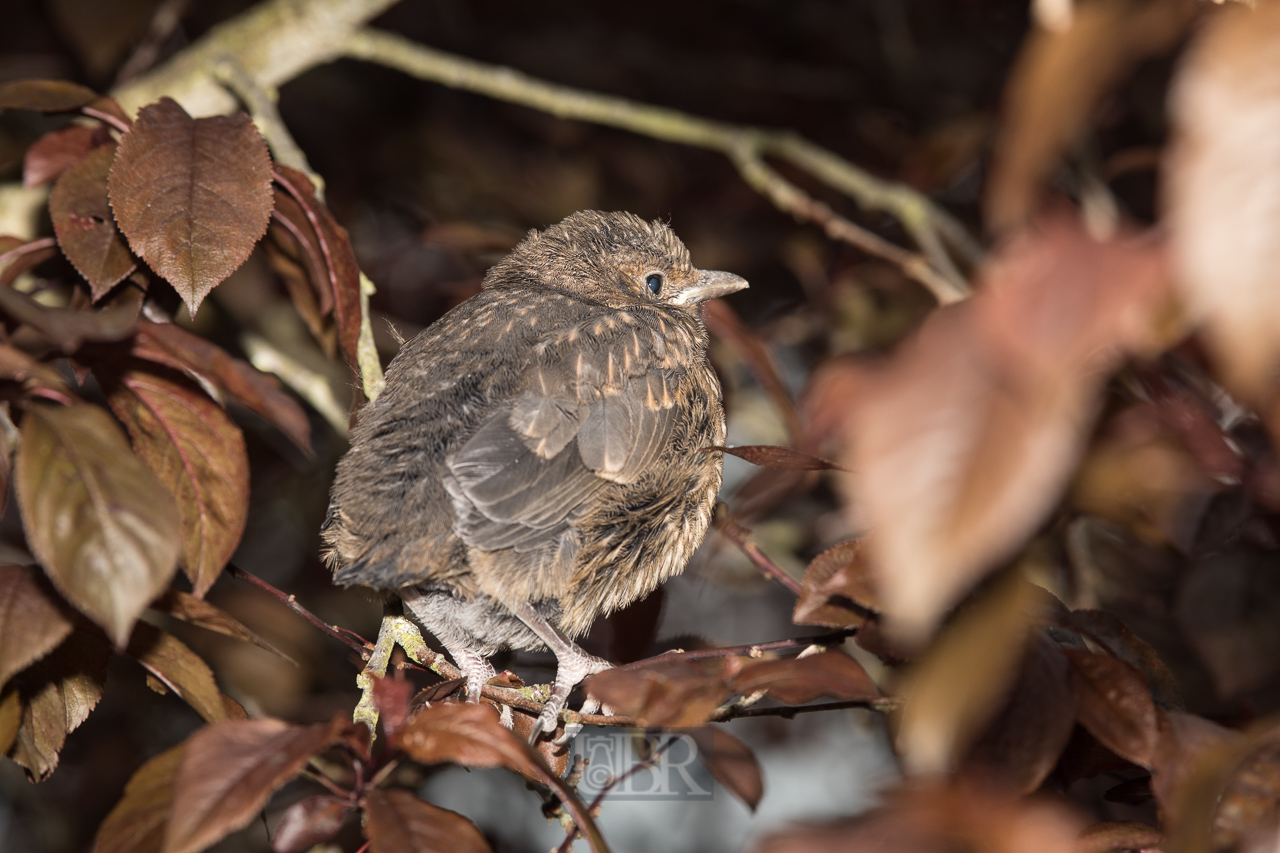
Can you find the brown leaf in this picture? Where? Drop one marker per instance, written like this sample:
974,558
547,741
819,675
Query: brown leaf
230,769
399,822
104,530
965,440
1111,632
10,717
784,458
343,273
197,453
173,346
68,328
180,669
46,96
1118,836
840,572
1115,705
137,823
1229,610
1185,741
795,681
1222,192
731,762
85,227
32,621
466,734
57,694
1059,77
58,150
197,611
309,822
671,694
962,682
193,196
391,698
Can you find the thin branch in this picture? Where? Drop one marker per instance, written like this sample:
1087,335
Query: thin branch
261,104
741,536
643,764
347,638
745,146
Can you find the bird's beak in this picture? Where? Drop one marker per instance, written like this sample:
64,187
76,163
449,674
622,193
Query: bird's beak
711,284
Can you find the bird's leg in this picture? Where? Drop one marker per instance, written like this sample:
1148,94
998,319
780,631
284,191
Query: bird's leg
394,629
475,667
572,665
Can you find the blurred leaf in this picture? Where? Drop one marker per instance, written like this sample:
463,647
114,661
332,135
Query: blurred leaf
1115,705
57,694
180,669
1185,741
197,611
32,622
198,454
137,823
46,96
58,150
400,822
1059,77
731,762
309,822
1109,631
229,770
966,676
193,196
85,227
1023,743
173,346
784,458
340,267
103,528
19,256
10,716
1222,192
1229,610
795,681
68,328
1118,836
964,441
102,33
391,698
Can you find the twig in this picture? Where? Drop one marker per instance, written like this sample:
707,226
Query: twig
261,103
353,642
165,20
747,147
741,536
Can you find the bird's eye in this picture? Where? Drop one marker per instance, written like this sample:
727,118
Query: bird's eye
654,282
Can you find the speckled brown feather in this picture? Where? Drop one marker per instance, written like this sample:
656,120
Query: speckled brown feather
541,442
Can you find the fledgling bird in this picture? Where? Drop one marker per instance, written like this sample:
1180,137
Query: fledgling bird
536,458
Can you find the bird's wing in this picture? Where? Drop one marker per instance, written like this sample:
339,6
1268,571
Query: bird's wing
597,406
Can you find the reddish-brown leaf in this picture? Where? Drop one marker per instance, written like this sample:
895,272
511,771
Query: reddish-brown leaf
1022,745
1222,192
198,454
795,681
665,693
180,669
1111,632
391,698
173,346
68,328
399,822
85,227
46,96
229,770
1118,836
731,762
58,150
840,572
193,196
966,439
1186,741
466,734
343,273
784,458
1115,705
103,528
57,694
137,823
197,611
32,621
1059,77
309,822
10,717
297,238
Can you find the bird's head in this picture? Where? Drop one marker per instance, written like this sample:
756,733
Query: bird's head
616,259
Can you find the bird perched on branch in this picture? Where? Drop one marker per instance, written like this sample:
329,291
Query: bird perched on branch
538,456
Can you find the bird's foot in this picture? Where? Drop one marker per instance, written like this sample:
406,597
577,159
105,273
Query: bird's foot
569,674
